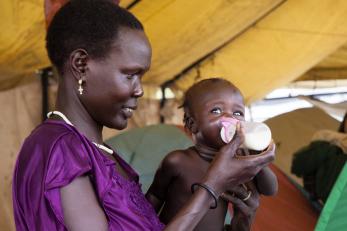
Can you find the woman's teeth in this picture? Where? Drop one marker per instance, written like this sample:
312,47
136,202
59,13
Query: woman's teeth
128,109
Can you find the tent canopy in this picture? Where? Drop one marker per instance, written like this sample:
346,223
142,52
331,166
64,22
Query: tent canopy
257,44
268,42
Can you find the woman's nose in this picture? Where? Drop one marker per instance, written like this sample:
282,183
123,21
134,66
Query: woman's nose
138,90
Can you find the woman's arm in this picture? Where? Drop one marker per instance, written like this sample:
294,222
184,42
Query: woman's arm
81,208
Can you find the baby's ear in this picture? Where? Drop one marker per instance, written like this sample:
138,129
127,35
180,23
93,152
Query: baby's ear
192,125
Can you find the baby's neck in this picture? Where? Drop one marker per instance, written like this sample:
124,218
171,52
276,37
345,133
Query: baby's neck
205,152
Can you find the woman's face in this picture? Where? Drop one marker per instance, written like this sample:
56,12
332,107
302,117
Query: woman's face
113,84
217,102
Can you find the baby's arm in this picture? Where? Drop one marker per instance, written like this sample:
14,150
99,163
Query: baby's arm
266,182
162,179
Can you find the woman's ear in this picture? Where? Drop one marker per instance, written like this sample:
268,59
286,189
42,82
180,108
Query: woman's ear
78,63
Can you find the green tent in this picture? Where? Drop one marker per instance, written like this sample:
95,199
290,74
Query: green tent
333,216
144,148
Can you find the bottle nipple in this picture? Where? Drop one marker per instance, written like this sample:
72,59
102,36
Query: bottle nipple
228,129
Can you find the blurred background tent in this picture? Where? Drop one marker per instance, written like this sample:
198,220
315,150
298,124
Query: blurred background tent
260,45
300,124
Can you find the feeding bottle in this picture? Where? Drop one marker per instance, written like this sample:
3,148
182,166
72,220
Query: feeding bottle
257,135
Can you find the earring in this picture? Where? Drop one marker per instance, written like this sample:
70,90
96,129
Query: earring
80,89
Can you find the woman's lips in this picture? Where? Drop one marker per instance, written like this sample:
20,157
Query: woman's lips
128,111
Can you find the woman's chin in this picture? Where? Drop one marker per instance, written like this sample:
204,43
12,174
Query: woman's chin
119,125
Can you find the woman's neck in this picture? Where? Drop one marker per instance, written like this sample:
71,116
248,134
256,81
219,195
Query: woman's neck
70,105
205,152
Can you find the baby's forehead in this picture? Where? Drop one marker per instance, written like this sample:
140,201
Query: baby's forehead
215,90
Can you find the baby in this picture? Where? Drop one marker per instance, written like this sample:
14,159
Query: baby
206,104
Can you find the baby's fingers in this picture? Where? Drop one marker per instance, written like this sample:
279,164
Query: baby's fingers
237,203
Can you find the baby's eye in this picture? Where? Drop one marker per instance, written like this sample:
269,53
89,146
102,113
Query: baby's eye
216,110
238,113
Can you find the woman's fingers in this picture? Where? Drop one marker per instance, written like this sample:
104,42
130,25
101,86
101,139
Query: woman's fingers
263,159
242,152
231,148
227,170
239,135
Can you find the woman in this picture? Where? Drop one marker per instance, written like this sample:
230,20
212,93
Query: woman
65,178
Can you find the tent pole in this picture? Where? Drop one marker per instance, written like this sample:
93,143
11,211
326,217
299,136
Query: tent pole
131,5
311,96
162,102
45,73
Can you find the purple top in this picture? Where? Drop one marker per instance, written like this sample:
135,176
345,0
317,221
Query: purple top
54,155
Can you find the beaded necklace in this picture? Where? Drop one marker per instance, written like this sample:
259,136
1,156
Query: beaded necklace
61,115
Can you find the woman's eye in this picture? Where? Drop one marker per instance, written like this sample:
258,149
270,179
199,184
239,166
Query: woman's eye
130,76
216,111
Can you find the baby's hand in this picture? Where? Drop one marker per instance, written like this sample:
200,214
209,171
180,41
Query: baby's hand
245,201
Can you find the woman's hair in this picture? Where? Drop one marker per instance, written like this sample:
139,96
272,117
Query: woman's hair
92,25
342,124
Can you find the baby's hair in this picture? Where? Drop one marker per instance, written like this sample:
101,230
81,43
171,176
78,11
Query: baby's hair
186,105
92,25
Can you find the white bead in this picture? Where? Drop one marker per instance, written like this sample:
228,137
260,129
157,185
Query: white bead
61,115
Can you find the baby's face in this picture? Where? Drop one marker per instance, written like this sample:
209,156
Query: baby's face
210,107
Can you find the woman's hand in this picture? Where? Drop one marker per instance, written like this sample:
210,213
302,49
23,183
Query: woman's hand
227,170
245,202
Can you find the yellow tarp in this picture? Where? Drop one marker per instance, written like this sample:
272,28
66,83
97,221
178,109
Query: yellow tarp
279,48
22,39
258,44
22,49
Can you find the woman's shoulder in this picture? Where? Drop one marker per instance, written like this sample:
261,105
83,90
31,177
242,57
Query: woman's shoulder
51,137
50,130
52,154
60,149
51,133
